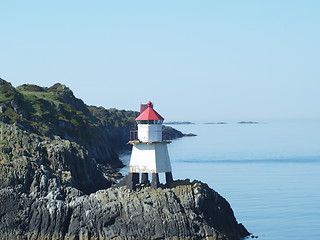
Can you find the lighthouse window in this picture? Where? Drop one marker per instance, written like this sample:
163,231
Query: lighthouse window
149,121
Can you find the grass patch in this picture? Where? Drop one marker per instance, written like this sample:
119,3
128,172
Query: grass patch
7,93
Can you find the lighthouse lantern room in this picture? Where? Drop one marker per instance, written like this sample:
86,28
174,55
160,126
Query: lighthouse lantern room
149,151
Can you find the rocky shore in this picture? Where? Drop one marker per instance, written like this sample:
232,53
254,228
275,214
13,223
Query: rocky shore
184,211
58,175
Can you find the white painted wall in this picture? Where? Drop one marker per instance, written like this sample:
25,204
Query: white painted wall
150,158
150,132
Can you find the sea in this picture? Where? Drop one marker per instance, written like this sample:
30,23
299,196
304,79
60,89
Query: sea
269,172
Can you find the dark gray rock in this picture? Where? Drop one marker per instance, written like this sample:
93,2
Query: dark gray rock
184,211
34,163
170,133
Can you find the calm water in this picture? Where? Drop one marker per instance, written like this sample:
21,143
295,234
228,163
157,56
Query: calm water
268,172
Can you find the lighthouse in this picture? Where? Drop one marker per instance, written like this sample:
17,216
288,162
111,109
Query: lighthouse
149,152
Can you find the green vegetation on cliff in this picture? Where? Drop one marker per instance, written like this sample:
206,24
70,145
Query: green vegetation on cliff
37,123
55,108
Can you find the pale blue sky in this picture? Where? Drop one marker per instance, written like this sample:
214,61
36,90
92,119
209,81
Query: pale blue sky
196,60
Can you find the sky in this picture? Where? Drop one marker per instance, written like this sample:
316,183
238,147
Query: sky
199,61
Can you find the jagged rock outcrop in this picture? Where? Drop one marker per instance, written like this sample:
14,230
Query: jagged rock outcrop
185,211
171,133
30,162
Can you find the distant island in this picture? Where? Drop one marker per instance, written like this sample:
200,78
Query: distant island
189,135
216,123
174,122
247,122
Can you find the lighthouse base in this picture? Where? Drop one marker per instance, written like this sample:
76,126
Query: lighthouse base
151,157
133,180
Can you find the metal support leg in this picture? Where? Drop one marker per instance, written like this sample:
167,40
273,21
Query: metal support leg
129,181
144,178
132,180
155,180
169,178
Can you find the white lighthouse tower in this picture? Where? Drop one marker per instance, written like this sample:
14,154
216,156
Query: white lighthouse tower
149,151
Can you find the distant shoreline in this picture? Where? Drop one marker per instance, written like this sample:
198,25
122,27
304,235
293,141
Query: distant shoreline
248,122
209,123
174,122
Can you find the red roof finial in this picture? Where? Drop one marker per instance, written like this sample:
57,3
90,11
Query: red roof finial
149,114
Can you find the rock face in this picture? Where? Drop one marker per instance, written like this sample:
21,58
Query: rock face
34,163
170,133
55,111
58,161
48,135
184,211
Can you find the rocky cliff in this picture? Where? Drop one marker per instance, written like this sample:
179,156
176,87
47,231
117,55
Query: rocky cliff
49,133
58,161
184,211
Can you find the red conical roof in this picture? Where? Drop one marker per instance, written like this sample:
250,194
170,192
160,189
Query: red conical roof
149,114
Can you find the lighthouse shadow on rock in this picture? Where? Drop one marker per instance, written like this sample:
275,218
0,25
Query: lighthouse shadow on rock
149,151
